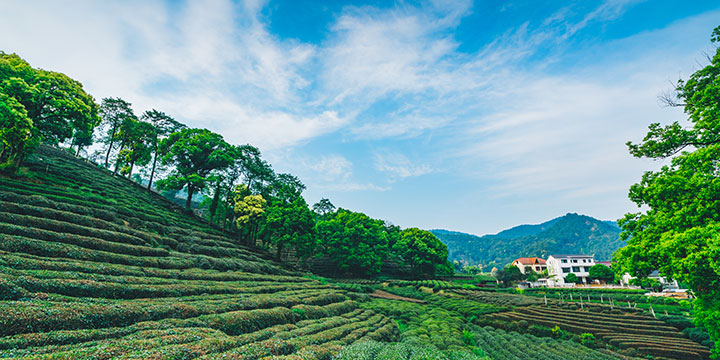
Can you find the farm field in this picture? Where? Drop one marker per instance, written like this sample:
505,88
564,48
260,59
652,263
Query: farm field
94,267
486,319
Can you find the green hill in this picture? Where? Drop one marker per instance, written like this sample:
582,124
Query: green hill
571,233
94,266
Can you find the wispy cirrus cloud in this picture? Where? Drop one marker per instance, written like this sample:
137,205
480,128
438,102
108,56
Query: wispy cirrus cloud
398,166
536,114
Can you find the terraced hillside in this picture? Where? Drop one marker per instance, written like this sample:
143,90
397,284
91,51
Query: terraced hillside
94,267
643,333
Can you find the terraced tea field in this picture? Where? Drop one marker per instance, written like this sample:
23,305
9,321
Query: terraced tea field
640,332
95,267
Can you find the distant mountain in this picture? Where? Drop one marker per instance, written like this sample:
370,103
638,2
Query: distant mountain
567,234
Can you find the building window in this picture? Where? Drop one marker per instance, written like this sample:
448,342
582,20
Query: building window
563,261
566,270
576,269
574,261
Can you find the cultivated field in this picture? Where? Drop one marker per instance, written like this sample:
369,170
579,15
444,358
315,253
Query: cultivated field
94,267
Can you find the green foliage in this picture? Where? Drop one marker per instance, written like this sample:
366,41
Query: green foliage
38,105
91,265
114,112
162,126
510,275
58,106
323,207
568,234
15,132
250,211
135,138
602,273
643,333
195,153
356,243
572,278
679,234
425,253
291,225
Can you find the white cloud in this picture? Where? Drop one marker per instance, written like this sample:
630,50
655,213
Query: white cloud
210,63
399,166
499,116
332,168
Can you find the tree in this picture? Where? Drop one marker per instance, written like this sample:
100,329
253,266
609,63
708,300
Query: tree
572,278
355,242
424,252
195,153
509,275
15,132
250,210
163,125
136,138
602,273
679,233
323,207
240,171
58,106
289,221
113,111
291,225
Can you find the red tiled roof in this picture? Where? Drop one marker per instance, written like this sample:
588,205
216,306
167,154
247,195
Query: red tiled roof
530,261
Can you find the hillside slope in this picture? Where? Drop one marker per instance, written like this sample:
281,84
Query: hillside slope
93,266
571,233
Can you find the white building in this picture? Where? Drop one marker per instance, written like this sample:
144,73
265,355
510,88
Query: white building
559,266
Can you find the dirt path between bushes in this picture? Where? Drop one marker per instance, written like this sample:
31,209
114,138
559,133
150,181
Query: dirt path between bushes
386,295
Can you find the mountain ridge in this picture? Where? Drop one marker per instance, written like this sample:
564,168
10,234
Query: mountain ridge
570,233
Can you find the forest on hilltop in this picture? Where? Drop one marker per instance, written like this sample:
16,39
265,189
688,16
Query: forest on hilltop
242,192
568,234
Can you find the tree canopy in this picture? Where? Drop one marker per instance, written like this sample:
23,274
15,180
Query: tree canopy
355,242
602,273
509,275
679,234
250,198
57,107
195,153
163,126
425,253
572,278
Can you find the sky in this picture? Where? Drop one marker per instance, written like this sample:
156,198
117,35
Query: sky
472,116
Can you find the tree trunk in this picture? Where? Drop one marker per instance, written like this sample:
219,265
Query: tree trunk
278,257
77,153
189,196
132,165
117,161
152,172
112,141
215,201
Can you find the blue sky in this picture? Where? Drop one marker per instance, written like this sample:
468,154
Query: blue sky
469,116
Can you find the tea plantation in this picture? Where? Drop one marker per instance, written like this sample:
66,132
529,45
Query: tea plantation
93,266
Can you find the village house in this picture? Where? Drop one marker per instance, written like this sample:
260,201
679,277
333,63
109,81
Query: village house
559,266
526,264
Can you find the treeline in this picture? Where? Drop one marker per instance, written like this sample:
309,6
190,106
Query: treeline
239,191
